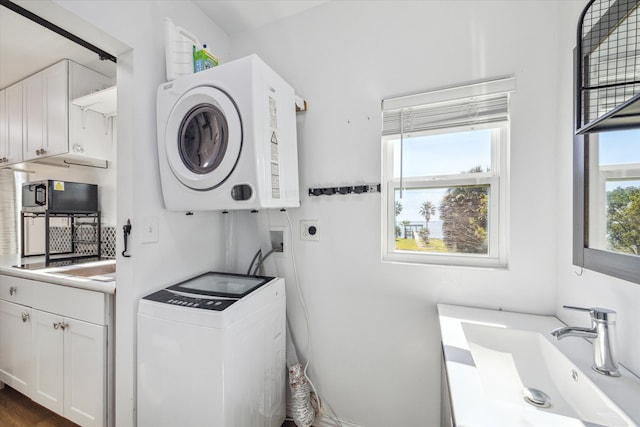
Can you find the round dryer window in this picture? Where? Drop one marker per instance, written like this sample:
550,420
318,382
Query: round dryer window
203,138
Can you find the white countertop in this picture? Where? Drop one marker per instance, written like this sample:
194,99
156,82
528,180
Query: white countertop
52,275
471,405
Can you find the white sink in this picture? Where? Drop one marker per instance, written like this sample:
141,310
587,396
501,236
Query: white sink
512,360
494,358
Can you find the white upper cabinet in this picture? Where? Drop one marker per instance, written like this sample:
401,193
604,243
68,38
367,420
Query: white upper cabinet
50,125
4,142
45,112
11,124
90,132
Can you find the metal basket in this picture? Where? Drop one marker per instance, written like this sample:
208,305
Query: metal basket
607,57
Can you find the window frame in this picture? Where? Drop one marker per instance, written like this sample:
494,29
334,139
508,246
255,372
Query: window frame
496,178
614,264
597,213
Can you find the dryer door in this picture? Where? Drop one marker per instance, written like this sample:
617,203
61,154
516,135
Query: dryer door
203,138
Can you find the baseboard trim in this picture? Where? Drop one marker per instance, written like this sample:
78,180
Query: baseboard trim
324,421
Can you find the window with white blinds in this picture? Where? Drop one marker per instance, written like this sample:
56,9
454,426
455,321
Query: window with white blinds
445,175
475,104
446,115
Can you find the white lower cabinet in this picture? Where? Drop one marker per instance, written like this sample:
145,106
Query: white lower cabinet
54,348
47,357
70,367
15,346
85,373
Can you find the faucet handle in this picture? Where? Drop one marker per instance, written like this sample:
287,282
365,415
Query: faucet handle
597,313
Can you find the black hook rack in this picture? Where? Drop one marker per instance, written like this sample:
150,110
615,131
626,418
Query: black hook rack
355,189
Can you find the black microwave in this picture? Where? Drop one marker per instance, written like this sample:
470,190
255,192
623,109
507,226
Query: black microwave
59,196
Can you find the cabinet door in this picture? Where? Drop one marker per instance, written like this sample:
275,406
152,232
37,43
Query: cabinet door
90,132
15,345
14,115
34,116
4,139
85,365
47,360
45,97
56,84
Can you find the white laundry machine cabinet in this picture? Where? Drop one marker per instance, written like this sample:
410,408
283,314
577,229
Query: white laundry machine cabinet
227,139
211,353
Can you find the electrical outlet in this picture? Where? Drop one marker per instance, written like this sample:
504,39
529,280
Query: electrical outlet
309,230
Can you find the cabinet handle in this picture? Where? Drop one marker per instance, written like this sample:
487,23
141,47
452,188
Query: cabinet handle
25,317
13,290
60,325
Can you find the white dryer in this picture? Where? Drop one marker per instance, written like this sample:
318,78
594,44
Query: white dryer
227,139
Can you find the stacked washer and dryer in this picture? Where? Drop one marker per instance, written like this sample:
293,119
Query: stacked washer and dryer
211,349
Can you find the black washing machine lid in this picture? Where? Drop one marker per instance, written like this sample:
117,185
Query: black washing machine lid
203,138
227,285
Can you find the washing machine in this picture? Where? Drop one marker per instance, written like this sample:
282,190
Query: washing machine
211,352
227,139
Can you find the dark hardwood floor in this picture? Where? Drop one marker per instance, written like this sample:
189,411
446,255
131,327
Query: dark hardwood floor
17,410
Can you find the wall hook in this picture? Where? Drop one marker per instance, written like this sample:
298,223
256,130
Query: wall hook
127,231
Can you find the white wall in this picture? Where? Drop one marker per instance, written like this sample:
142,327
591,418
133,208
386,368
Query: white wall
104,178
187,244
591,288
375,353
375,337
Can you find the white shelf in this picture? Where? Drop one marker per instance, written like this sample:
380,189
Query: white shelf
103,102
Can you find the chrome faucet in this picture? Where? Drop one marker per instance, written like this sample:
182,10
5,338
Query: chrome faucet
603,333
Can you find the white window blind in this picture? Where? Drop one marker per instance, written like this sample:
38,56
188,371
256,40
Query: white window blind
478,103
